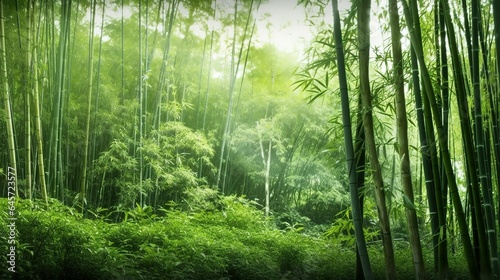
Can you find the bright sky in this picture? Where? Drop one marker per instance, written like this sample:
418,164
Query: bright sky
288,28
280,22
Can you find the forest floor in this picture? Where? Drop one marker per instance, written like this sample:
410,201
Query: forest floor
233,242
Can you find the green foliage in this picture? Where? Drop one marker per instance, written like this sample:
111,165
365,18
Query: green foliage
173,152
115,170
201,199
291,220
238,242
322,207
342,229
58,244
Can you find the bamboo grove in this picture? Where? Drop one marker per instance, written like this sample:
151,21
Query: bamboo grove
432,91
112,104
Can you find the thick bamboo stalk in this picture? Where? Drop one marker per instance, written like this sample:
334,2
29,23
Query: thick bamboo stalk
348,142
404,153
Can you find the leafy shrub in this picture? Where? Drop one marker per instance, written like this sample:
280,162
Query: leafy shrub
125,236
238,242
292,220
55,245
322,207
201,199
291,256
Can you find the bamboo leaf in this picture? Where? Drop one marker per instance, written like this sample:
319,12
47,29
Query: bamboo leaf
408,204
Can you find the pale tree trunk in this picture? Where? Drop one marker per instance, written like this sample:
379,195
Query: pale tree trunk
99,192
6,98
267,166
207,90
27,104
38,122
122,93
141,105
89,102
59,61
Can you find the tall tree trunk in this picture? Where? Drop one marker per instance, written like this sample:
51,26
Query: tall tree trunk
200,79
366,98
141,105
27,101
360,153
83,189
357,215
209,74
437,201
444,86
98,194
69,180
6,99
404,153
55,169
496,21
433,194
37,118
480,240
207,90
122,93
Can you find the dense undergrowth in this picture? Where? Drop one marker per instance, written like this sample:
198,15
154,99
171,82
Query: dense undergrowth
223,238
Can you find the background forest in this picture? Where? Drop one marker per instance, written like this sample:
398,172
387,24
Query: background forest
186,139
